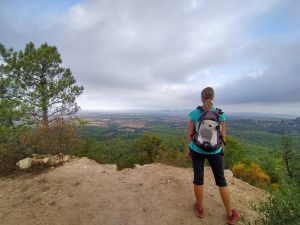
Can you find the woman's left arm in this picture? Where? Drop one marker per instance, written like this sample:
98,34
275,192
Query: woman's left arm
190,135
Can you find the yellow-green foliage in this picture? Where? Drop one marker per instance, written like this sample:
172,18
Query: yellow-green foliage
174,158
253,175
150,144
239,170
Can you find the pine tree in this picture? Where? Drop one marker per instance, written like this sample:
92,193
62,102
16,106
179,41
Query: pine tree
48,89
11,107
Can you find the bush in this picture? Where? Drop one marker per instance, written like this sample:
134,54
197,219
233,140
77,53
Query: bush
239,171
59,137
281,207
143,158
126,163
151,145
173,158
234,153
8,162
254,175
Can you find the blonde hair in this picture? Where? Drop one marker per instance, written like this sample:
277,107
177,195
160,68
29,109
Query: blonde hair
207,95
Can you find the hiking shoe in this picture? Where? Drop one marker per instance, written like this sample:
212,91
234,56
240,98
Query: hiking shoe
233,218
199,212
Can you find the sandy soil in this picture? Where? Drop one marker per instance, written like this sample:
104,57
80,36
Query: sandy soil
82,192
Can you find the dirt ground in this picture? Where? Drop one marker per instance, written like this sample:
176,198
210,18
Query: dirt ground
83,192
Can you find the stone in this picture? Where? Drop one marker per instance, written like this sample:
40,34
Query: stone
228,173
25,163
45,160
54,160
35,161
35,155
66,158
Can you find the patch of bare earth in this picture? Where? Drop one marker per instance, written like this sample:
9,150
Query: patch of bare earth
83,192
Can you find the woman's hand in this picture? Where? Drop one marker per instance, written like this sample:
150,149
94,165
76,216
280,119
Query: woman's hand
223,147
189,154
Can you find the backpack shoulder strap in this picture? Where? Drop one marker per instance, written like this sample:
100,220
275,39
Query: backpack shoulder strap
200,108
203,112
219,111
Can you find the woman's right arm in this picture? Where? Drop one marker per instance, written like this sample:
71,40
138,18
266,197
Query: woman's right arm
190,134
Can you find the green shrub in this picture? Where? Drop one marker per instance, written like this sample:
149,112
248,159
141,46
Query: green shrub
143,158
126,163
173,158
150,144
282,207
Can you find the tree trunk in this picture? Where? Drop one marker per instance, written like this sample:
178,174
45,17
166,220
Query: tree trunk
44,100
287,165
45,116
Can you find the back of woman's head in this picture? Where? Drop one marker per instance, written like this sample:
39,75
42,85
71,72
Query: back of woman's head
207,95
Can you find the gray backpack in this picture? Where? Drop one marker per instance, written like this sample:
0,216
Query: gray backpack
208,132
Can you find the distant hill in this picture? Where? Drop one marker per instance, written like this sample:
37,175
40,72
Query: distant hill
258,116
182,113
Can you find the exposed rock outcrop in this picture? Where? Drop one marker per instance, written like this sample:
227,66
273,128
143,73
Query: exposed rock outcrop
44,160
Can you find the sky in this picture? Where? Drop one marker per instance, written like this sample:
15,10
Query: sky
160,54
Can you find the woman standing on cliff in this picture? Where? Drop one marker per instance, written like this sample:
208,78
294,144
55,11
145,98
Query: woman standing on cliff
202,146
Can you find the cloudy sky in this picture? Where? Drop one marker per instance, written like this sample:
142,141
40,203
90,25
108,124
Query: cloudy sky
159,54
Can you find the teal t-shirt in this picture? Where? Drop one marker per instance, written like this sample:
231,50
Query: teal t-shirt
194,116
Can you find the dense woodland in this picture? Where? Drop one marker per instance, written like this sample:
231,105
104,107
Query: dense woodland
37,101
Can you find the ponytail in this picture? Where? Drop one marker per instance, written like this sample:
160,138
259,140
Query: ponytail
207,95
207,104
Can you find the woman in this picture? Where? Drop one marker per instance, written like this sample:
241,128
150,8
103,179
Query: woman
214,157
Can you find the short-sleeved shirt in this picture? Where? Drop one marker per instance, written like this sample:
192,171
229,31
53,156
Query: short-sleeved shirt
194,116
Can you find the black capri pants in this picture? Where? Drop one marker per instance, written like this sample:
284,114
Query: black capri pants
216,164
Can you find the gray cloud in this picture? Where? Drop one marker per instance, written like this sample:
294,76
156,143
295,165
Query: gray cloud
279,82
160,53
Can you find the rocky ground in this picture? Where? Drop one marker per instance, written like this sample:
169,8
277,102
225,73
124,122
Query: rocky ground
83,192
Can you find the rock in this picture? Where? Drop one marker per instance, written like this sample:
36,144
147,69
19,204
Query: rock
35,161
24,163
228,173
54,160
45,160
66,158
